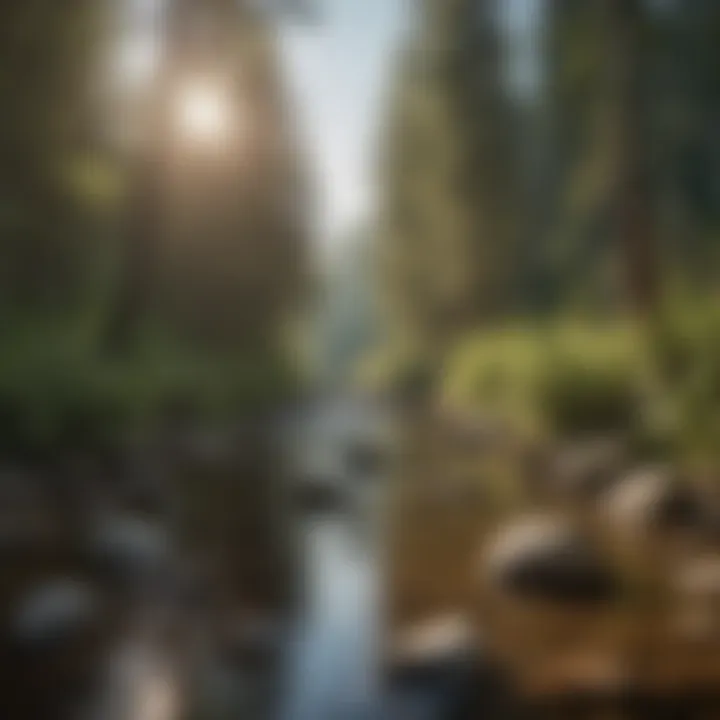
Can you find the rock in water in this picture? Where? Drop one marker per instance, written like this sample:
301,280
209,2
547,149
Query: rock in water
52,613
321,493
654,498
128,549
366,457
439,669
431,648
547,558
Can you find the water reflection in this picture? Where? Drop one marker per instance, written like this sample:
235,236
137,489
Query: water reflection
332,664
142,685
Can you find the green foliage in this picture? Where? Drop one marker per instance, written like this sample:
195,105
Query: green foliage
400,373
592,381
446,219
226,271
49,56
51,395
58,393
686,349
498,371
561,379
659,387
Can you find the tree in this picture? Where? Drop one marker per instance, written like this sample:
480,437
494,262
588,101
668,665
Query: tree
635,215
447,238
601,243
49,52
215,235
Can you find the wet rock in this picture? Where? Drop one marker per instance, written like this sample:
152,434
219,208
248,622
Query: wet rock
432,648
128,549
53,650
53,612
366,457
547,558
438,668
655,499
318,492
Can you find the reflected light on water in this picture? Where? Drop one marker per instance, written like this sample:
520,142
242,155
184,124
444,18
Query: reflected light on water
157,699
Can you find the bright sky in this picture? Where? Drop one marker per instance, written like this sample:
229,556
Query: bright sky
339,72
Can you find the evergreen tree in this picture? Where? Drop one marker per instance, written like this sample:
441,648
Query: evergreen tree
215,227
447,239
48,76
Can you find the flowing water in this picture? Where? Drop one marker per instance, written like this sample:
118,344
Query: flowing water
330,670
333,659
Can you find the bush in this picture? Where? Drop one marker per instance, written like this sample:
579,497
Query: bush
658,384
498,372
58,394
564,379
592,380
685,344
398,373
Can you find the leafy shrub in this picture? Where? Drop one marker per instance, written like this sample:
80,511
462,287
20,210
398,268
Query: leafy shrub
397,372
57,393
564,379
497,371
685,343
592,380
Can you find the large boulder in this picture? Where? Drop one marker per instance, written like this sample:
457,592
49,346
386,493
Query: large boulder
439,668
432,648
654,499
548,558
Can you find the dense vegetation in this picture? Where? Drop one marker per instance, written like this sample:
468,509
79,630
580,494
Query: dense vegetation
144,276
590,194
549,266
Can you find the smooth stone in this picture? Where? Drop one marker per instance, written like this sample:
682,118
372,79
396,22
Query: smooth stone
546,558
654,498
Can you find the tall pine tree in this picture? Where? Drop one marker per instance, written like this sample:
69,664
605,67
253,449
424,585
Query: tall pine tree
447,236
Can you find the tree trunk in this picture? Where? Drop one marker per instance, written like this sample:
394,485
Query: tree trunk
635,216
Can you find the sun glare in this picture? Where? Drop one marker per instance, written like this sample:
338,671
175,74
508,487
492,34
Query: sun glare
203,112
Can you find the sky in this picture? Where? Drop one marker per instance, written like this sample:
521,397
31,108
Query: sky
339,71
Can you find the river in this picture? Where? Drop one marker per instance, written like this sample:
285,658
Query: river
332,662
